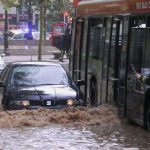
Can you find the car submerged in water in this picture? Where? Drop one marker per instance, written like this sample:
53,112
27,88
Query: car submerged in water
32,85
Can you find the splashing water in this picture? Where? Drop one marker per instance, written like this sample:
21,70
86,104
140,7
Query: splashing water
80,116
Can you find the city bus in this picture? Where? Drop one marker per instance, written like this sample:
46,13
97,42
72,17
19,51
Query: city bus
57,30
110,44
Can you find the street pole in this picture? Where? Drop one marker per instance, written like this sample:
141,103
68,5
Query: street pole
44,21
6,34
41,33
29,21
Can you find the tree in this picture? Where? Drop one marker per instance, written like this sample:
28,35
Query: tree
41,31
55,8
7,4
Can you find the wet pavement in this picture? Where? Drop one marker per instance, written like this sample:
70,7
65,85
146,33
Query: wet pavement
47,57
13,58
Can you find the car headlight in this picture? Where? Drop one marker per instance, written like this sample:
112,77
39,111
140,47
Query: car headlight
21,103
25,103
70,102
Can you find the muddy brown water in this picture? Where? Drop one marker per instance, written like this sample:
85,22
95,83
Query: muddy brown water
70,129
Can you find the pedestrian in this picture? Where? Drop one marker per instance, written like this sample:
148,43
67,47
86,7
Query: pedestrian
67,41
65,44
62,46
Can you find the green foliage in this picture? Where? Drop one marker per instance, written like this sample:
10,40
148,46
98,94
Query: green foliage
9,3
56,9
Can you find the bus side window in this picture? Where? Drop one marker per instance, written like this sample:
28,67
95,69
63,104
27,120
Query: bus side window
97,36
97,42
137,44
136,48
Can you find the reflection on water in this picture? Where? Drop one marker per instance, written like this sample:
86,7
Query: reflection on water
52,137
122,137
70,129
56,137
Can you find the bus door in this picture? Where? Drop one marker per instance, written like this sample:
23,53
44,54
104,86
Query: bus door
84,56
72,46
77,49
113,62
104,79
123,67
95,48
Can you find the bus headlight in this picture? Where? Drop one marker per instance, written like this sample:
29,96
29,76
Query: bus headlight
70,102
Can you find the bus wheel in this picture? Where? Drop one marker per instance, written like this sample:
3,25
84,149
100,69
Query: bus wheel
93,93
148,117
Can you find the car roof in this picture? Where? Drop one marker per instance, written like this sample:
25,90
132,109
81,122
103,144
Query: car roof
44,63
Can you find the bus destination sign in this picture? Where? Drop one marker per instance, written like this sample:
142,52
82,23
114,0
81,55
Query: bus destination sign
143,5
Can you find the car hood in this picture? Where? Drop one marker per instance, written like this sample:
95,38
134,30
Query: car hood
46,92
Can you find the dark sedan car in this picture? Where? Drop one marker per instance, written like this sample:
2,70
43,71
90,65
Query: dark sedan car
38,84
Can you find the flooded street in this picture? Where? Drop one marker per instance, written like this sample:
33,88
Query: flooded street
70,129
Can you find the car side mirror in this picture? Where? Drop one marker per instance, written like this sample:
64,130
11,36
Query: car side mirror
80,82
2,84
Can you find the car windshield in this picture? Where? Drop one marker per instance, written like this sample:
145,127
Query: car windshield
34,75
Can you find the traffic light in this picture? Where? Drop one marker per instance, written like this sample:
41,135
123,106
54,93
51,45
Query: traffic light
66,17
66,13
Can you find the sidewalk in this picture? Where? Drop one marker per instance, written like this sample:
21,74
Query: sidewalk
29,50
13,58
26,53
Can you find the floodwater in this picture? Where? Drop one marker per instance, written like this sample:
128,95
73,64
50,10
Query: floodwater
70,129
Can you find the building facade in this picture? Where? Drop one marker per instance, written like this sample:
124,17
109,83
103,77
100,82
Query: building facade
12,17
17,18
